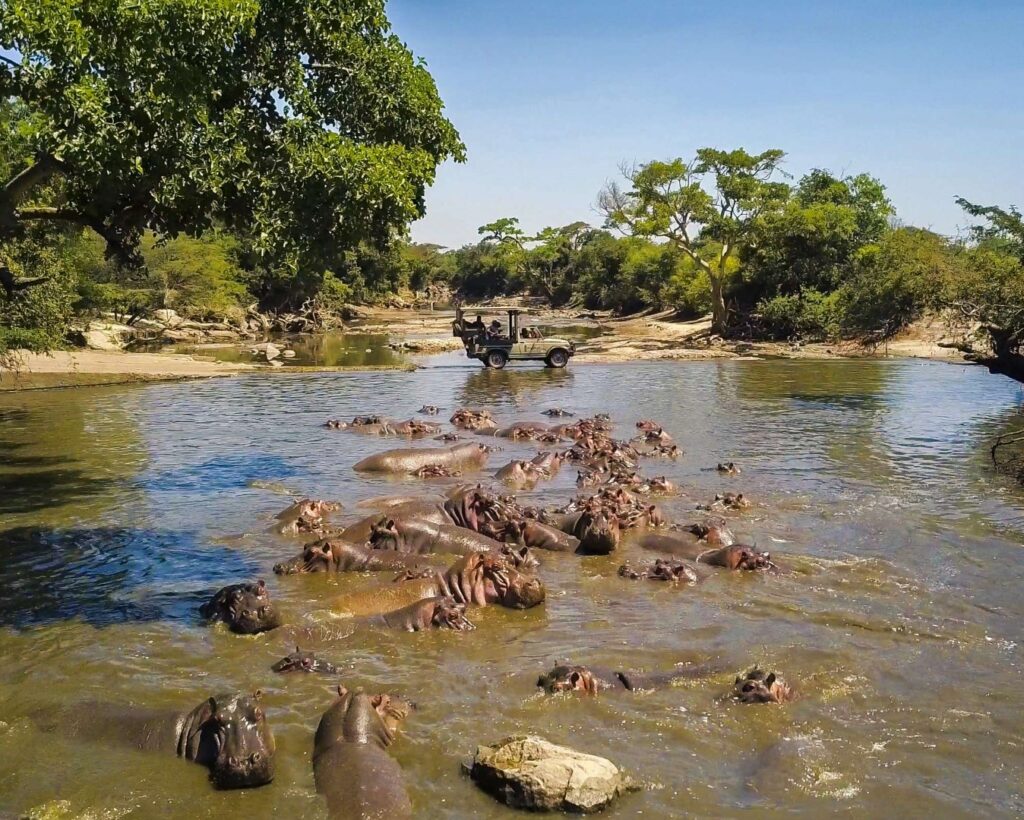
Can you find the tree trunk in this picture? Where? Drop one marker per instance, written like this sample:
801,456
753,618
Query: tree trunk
718,313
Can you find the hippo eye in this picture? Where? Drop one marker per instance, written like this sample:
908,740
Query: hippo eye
232,761
246,613
748,687
257,714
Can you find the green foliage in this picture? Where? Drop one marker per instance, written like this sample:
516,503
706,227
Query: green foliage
808,315
305,125
812,241
37,318
707,208
990,289
896,279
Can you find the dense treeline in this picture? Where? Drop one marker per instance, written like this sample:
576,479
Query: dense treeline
205,157
280,137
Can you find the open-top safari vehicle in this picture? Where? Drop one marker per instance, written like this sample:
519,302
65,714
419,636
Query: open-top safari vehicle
495,344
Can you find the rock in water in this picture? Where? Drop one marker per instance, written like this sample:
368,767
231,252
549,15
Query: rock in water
528,772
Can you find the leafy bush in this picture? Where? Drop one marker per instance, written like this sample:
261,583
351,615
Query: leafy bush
807,315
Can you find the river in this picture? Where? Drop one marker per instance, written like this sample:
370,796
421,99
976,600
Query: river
123,508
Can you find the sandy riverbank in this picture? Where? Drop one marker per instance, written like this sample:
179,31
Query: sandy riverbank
79,368
647,338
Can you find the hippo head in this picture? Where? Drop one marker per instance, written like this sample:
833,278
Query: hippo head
504,584
740,557
758,686
384,535
663,569
520,557
598,533
303,661
315,557
450,614
236,742
245,608
565,678
358,717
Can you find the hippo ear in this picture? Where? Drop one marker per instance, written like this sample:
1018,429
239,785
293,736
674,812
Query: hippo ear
257,695
575,678
342,691
769,680
738,680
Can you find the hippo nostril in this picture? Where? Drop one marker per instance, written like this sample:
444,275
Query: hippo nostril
233,761
255,758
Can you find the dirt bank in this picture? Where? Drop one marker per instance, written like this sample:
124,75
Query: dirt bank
78,368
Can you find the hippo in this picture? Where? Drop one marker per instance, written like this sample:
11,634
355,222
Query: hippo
407,535
304,661
726,501
521,473
306,515
533,534
413,428
737,557
550,461
661,569
336,555
436,612
351,766
461,456
689,541
556,411
227,733
479,420
522,430
429,410
448,437
648,425
598,533
245,608
589,680
463,507
728,468
435,471
479,578
758,686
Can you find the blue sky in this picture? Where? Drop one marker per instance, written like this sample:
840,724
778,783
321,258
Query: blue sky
550,97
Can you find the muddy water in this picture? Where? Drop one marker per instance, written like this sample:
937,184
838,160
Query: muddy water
121,508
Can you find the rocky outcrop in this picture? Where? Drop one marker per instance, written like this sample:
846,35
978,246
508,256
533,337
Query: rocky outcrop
528,772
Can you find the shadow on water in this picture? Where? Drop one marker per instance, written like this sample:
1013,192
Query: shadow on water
513,385
113,575
29,491
230,472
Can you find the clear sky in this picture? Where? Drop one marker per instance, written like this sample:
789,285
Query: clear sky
551,96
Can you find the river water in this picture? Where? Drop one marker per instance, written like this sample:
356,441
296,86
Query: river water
122,508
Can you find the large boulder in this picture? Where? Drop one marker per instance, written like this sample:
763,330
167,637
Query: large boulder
106,336
167,317
528,772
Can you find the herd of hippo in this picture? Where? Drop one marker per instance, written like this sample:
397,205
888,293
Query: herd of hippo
493,542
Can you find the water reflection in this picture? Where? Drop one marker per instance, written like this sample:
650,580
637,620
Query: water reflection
110,575
320,350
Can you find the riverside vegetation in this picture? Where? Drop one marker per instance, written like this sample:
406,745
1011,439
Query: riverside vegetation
237,163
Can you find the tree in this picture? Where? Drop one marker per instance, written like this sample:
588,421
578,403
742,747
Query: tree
811,242
1004,225
306,125
670,200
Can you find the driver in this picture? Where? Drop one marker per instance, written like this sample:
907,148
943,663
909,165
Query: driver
494,329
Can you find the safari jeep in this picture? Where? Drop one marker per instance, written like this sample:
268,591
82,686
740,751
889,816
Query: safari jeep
495,345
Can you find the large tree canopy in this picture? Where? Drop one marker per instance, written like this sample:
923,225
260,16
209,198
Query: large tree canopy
304,124
707,207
